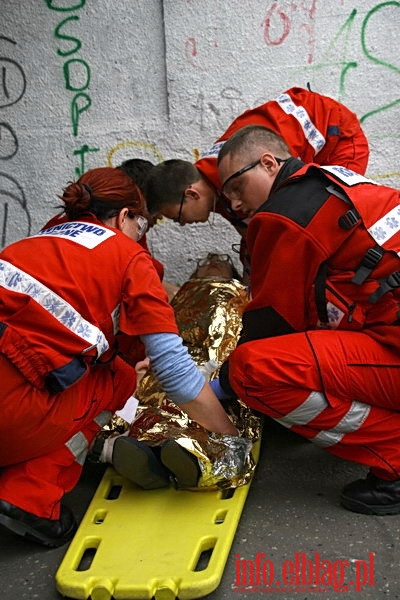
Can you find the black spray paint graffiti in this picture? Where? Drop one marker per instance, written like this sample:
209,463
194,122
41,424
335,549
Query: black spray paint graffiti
13,206
76,74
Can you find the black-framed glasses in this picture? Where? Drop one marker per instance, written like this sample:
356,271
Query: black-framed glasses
233,194
238,173
178,218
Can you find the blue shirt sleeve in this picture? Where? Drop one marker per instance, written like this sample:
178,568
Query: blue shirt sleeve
173,366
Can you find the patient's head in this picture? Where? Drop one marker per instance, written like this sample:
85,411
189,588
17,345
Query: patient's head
215,266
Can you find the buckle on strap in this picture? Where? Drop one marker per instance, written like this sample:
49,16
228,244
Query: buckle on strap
387,285
349,219
368,263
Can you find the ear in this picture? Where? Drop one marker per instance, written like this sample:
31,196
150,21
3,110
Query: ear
192,192
267,160
121,218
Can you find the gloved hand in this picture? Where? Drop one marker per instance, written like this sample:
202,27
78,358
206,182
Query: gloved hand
218,391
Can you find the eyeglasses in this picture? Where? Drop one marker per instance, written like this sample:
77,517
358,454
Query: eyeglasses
178,218
141,222
233,193
213,258
226,188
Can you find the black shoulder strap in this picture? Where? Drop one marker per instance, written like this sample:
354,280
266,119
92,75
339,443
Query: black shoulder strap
368,264
320,295
386,285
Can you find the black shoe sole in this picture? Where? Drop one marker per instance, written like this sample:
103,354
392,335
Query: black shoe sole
182,464
136,461
33,535
369,509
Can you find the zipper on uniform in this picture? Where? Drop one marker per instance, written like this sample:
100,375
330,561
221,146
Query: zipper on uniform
350,306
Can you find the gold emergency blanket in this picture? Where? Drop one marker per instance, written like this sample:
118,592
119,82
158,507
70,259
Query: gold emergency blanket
208,313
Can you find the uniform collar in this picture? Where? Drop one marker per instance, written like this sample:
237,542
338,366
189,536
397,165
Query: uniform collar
289,167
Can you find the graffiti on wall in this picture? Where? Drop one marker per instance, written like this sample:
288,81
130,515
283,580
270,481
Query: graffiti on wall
281,23
360,29
13,205
76,74
117,154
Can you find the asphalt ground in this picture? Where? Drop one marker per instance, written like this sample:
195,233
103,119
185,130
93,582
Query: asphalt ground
292,530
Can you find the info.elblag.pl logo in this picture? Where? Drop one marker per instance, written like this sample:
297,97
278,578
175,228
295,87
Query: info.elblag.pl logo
303,573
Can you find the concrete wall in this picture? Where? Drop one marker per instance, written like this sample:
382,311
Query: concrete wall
85,83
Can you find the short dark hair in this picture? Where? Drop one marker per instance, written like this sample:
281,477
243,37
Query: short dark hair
253,139
137,169
167,181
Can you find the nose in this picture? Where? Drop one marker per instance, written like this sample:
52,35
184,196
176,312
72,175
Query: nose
236,203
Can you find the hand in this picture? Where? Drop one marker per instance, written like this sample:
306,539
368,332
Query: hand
141,368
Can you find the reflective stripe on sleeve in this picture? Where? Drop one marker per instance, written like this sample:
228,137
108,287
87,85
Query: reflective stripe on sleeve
214,150
386,227
16,280
311,133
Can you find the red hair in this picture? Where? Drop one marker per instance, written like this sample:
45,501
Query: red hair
101,191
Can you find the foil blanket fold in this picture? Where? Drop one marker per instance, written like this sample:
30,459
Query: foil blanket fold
208,313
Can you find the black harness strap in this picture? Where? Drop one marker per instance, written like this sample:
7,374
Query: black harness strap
320,295
387,285
368,264
349,219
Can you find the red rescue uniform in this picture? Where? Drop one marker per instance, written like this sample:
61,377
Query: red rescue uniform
72,298
320,346
159,267
316,128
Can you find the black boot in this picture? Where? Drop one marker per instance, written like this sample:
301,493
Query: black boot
183,464
37,529
372,496
137,462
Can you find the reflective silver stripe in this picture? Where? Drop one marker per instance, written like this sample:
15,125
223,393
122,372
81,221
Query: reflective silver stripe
386,227
351,421
115,316
311,133
306,412
103,418
214,150
17,280
346,175
78,446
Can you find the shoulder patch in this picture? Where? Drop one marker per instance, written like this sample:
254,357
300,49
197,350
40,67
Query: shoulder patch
85,234
347,176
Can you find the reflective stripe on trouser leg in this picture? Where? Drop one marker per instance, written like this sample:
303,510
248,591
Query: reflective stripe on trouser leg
352,420
103,418
78,445
306,412
281,378
313,406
